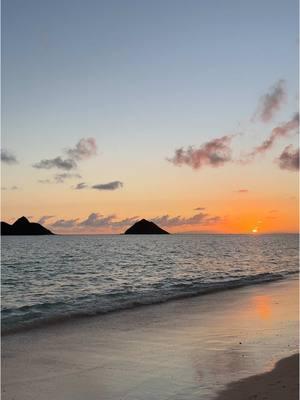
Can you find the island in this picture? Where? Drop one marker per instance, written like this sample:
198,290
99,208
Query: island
144,227
23,227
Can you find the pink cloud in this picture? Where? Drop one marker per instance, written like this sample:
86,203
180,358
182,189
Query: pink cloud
214,153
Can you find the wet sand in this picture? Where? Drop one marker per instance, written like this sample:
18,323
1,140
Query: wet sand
187,349
280,383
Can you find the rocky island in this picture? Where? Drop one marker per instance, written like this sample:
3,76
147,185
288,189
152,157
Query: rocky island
144,227
23,227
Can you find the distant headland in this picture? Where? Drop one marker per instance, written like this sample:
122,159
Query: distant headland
23,227
144,227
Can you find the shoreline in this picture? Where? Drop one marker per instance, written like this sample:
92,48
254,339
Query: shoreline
189,348
282,382
68,318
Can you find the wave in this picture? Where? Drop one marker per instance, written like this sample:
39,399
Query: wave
31,316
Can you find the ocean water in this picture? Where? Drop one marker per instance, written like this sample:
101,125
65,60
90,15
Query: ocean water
53,278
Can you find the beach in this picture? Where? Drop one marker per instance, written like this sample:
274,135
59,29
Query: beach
193,348
281,382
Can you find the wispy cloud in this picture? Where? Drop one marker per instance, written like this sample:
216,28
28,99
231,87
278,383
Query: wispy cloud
123,223
108,186
60,178
44,181
83,150
44,219
65,223
95,220
197,219
81,185
199,208
272,101
280,131
214,153
8,158
11,188
57,162
289,159
242,191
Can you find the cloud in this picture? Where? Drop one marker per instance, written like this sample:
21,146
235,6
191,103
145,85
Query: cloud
126,222
242,191
65,223
280,131
56,162
272,101
108,186
83,150
199,208
44,181
289,159
44,218
11,188
96,220
60,178
8,157
214,153
80,186
197,219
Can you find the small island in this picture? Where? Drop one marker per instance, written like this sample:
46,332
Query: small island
23,227
144,227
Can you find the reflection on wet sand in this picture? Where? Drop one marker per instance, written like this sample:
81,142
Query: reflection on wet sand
263,306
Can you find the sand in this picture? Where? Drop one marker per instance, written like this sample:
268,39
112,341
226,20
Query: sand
280,383
187,349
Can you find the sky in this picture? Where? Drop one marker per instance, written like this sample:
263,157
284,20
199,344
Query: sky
181,112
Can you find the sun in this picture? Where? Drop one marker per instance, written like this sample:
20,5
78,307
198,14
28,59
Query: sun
254,230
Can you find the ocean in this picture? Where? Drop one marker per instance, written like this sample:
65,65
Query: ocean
51,278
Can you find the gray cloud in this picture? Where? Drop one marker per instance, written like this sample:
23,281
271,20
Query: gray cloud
199,209
289,159
272,101
197,219
108,186
11,188
44,219
280,131
96,220
83,150
7,157
80,186
56,162
65,223
60,178
126,222
44,181
214,153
